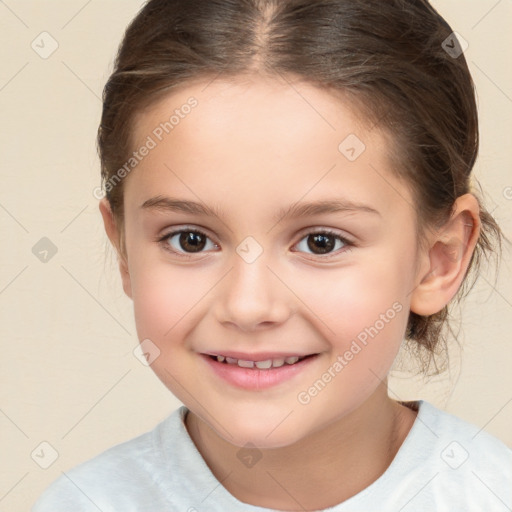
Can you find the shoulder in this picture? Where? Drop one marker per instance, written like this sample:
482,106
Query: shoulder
465,465
115,479
464,438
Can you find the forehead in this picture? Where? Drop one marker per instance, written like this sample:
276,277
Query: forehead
262,140
255,108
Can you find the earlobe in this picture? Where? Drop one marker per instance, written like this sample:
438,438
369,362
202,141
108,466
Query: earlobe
451,248
112,230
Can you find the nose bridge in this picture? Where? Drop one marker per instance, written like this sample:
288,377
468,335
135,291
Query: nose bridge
251,294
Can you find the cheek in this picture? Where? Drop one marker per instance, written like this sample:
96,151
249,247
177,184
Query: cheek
162,296
164,299
344,302
362,312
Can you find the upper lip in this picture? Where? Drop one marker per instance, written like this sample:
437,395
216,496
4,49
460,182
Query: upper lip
256,356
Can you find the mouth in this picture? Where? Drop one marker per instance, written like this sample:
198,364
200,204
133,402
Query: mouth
258,372
266,364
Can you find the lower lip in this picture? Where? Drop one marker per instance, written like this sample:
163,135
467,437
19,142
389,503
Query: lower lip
253,378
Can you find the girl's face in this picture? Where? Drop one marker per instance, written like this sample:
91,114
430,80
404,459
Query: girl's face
266,279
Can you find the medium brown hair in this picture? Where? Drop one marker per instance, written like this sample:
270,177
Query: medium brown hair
389,56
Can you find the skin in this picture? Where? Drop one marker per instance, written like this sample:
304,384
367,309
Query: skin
251,147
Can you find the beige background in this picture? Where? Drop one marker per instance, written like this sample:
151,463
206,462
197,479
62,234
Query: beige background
68,374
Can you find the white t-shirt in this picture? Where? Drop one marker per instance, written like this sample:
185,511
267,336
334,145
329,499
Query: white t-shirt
444,464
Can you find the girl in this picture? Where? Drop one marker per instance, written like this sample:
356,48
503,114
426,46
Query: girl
288,188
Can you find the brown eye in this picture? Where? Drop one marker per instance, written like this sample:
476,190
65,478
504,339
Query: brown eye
323,243
186,242
191,241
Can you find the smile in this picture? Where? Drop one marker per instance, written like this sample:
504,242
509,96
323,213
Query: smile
267,371
260,365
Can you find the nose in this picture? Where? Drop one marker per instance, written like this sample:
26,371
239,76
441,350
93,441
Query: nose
252,297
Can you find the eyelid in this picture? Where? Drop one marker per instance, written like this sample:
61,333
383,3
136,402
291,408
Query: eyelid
306,231
174,230
330,231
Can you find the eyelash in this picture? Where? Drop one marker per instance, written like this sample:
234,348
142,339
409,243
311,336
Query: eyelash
348,245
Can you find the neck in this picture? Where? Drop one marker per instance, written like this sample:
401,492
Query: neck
320,471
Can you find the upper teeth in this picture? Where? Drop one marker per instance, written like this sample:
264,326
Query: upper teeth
262,365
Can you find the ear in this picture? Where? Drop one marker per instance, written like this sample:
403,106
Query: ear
447,259
114,236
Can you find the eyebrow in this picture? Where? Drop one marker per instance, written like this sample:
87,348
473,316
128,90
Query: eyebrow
295,210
